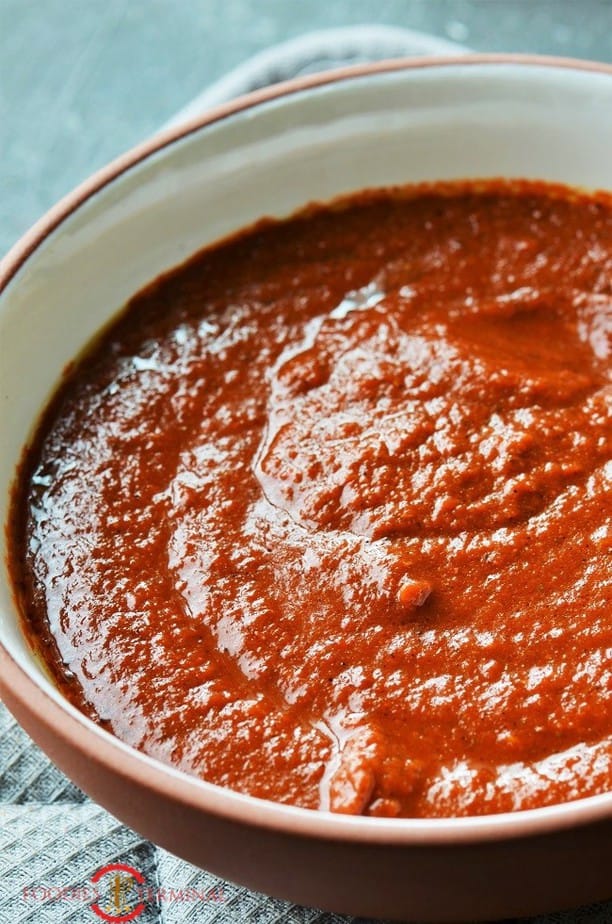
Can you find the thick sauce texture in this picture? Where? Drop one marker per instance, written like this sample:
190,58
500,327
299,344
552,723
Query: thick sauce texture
324,516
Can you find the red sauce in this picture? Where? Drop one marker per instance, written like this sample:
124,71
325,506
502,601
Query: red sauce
324,516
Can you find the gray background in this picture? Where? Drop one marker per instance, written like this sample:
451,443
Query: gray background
81,81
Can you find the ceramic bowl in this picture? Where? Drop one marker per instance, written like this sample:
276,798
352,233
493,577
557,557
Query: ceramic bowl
268,154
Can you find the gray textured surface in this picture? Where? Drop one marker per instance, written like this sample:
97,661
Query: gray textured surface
80,81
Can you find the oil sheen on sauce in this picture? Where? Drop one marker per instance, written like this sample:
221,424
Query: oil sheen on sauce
324,516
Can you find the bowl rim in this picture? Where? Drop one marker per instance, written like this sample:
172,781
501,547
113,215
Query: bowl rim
61,720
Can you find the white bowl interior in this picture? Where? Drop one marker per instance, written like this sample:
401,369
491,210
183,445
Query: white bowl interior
436,122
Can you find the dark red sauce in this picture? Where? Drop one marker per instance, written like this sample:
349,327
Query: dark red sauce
324,516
